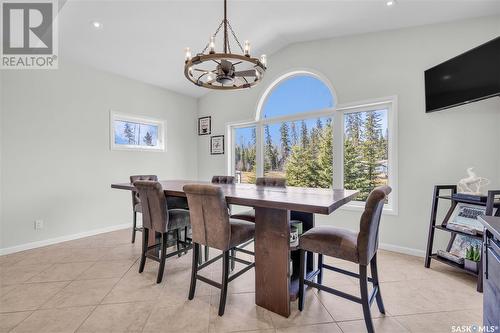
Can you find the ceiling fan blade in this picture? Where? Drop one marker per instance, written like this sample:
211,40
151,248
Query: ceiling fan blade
201,70
250,72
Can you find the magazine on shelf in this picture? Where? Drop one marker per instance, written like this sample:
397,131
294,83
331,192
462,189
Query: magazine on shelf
461,243
465,216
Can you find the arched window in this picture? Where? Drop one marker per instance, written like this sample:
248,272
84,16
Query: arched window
299,128
297,94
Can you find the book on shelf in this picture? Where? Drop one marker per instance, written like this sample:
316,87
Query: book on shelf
461,228
470,197
450,256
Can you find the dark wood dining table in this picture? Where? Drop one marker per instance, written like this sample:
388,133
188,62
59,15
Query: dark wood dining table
275,284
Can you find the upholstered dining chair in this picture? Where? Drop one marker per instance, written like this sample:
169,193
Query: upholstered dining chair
157,216
136,201
219,180
222,180
211,226
357,247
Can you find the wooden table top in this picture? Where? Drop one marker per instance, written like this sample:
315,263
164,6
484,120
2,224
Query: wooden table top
309,200
492,223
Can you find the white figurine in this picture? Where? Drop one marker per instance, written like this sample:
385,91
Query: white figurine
473,184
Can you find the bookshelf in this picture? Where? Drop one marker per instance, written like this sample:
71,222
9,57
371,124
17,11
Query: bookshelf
439,197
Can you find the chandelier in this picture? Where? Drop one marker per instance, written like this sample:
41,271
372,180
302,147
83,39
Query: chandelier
226,70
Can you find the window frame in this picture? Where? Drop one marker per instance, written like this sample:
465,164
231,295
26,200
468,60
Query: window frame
336,113
391,104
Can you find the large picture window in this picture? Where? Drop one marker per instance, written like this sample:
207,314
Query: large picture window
300,133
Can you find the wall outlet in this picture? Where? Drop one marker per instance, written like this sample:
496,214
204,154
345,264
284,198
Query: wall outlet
38,224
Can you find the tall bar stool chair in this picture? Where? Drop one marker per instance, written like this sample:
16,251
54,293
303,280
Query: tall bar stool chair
158,217
136,201
358,247
221,180
212,226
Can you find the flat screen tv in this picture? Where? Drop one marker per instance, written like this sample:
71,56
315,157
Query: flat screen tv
469,77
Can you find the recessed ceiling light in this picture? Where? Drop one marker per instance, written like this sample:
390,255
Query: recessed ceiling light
390,3
96,25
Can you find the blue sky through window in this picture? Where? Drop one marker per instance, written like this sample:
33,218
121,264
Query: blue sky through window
297,94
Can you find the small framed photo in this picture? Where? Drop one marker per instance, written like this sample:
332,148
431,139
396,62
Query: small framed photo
204,125
131,132
217,145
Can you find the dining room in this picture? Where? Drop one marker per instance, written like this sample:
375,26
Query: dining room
250,166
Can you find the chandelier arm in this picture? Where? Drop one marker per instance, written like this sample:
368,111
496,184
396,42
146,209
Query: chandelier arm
214,35
235,38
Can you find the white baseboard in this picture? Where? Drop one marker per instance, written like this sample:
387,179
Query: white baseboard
50,241
402,249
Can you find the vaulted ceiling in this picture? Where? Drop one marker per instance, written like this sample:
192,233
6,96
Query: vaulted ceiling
145,40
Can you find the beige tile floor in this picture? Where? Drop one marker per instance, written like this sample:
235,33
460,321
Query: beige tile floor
92,285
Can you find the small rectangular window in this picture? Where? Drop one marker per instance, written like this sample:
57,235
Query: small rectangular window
129,132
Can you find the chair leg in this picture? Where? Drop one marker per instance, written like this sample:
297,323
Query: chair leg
206,253
320,267
145,240
185,238
194,270
378,297
225,276
178,236
163,255
233,263
134,226
302,273
365,301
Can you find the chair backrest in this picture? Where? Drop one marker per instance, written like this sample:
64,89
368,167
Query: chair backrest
271,181
154,205
209,216
135,194
369,224
223,180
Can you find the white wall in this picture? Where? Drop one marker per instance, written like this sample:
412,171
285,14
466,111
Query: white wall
56,161
434,148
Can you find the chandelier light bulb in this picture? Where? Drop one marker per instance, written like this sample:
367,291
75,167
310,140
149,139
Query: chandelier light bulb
263,60
188,54
247,48
211,46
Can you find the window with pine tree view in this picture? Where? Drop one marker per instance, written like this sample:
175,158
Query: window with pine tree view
299,150
294,138
245,154
365,151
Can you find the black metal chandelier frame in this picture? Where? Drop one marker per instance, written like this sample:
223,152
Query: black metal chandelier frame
230,70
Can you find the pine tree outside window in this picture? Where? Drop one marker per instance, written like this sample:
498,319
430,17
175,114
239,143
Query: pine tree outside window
302,134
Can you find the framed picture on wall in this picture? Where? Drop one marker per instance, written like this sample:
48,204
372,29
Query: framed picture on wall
131,132
204,125
217,145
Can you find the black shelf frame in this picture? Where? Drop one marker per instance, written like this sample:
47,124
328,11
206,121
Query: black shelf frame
491,203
